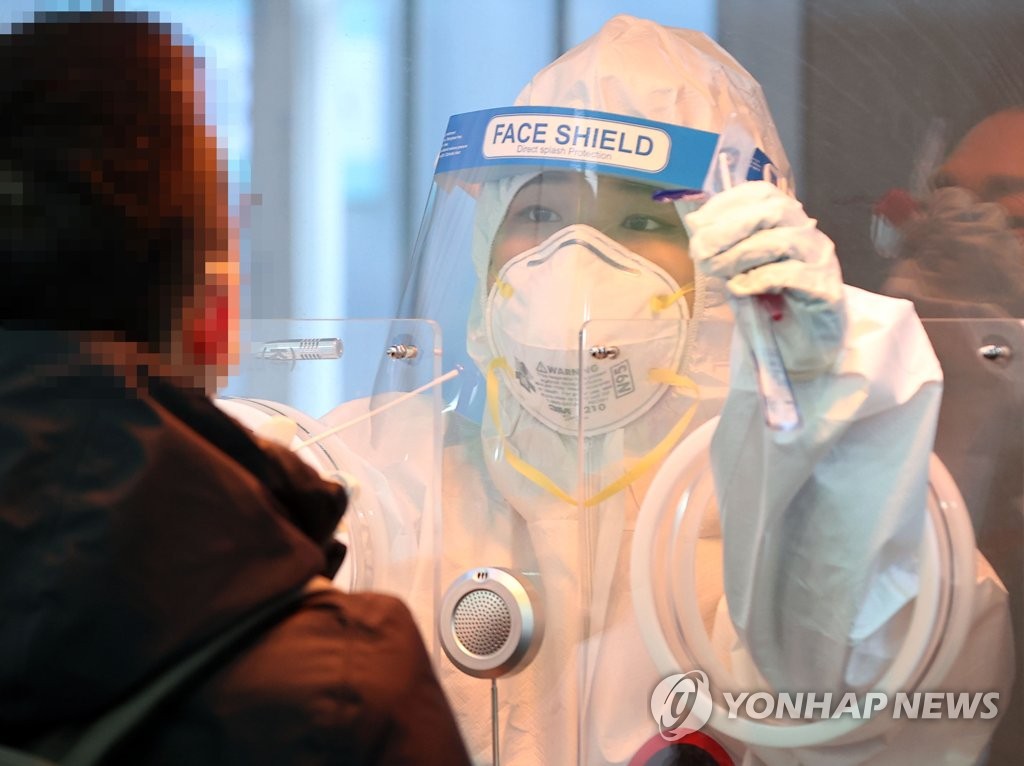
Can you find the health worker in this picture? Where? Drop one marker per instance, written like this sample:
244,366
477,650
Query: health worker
600,335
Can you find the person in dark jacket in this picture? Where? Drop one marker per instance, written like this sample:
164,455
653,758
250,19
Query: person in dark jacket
136,520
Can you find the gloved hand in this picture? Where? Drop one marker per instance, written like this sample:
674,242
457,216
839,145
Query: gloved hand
760,240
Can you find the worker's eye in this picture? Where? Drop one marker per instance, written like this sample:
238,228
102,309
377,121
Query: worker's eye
643,223
539,214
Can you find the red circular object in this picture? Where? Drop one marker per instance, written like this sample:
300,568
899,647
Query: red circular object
897,206
657,744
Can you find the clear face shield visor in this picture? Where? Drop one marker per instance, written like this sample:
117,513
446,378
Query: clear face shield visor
570,214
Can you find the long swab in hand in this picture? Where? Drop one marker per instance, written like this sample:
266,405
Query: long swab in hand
372,413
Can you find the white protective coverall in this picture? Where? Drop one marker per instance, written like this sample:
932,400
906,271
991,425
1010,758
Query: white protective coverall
819,527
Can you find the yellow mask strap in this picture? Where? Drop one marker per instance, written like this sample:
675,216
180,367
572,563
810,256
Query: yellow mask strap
674,379
505,290
642,465
539,478
661,302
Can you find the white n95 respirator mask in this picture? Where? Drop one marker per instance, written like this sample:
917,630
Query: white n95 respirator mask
543,298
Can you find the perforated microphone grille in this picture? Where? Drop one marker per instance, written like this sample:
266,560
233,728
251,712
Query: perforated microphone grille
482,622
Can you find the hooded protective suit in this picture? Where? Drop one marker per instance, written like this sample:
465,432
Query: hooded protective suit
820,525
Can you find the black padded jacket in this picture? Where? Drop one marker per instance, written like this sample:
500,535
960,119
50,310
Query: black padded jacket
135,523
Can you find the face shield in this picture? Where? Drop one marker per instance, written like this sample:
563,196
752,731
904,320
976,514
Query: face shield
574,213
554,257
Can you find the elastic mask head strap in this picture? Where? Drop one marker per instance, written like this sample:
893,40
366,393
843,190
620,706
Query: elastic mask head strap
536,476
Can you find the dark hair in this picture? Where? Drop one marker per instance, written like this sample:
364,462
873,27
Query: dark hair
112,195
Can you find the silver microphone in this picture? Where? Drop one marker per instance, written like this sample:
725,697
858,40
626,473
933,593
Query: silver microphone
301,349
490,623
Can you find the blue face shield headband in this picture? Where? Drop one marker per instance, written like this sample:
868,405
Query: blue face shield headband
512,140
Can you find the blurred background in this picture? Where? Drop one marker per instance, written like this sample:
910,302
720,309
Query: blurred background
331,111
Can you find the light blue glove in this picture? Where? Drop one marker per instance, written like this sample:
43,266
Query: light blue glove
760,240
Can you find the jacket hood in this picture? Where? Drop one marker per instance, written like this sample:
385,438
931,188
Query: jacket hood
134,524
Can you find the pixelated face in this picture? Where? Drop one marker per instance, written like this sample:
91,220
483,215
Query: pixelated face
623,210
990,163
112,179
